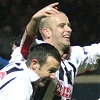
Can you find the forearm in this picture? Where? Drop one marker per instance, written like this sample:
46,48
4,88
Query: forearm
32,27
30,33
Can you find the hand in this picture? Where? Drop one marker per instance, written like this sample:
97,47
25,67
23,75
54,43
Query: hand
32,27
46,11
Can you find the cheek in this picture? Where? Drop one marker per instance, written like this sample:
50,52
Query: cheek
44,74
56,35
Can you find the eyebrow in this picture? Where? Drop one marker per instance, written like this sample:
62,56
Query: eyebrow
52,69
69,24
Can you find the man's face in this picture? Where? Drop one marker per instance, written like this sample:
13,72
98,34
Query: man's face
61,31
47,71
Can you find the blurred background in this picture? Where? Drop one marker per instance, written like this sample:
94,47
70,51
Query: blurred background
84,16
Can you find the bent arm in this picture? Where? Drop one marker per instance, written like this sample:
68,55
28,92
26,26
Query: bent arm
86,57
32,27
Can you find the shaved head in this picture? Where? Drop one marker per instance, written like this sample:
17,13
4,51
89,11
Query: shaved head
47,22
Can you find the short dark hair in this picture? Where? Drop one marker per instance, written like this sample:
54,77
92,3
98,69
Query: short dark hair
41,52
16,41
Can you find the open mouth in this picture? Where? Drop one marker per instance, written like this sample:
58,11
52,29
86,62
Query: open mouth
67,37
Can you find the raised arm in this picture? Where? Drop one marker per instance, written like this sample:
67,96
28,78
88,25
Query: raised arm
32,27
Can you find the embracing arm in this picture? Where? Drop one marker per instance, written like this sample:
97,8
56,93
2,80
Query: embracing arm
87,57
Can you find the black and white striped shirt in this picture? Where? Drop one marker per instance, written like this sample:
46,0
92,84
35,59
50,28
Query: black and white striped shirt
82,59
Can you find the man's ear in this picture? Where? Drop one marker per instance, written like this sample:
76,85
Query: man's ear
34,64
46,32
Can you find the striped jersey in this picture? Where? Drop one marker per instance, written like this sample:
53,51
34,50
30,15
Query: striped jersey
82,59
16,82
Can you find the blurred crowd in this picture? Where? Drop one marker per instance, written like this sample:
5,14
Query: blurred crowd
15,14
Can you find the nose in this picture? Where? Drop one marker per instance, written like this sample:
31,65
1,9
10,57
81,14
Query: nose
68,29
53,76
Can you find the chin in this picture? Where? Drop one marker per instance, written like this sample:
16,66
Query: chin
68,44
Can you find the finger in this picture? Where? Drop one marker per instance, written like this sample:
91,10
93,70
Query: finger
51,10
54,4
48,8
55,10
46,14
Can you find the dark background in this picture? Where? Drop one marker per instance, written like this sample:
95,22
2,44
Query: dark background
84,16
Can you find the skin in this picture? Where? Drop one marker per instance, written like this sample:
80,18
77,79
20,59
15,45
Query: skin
59,36
32,27
45,72
14,47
